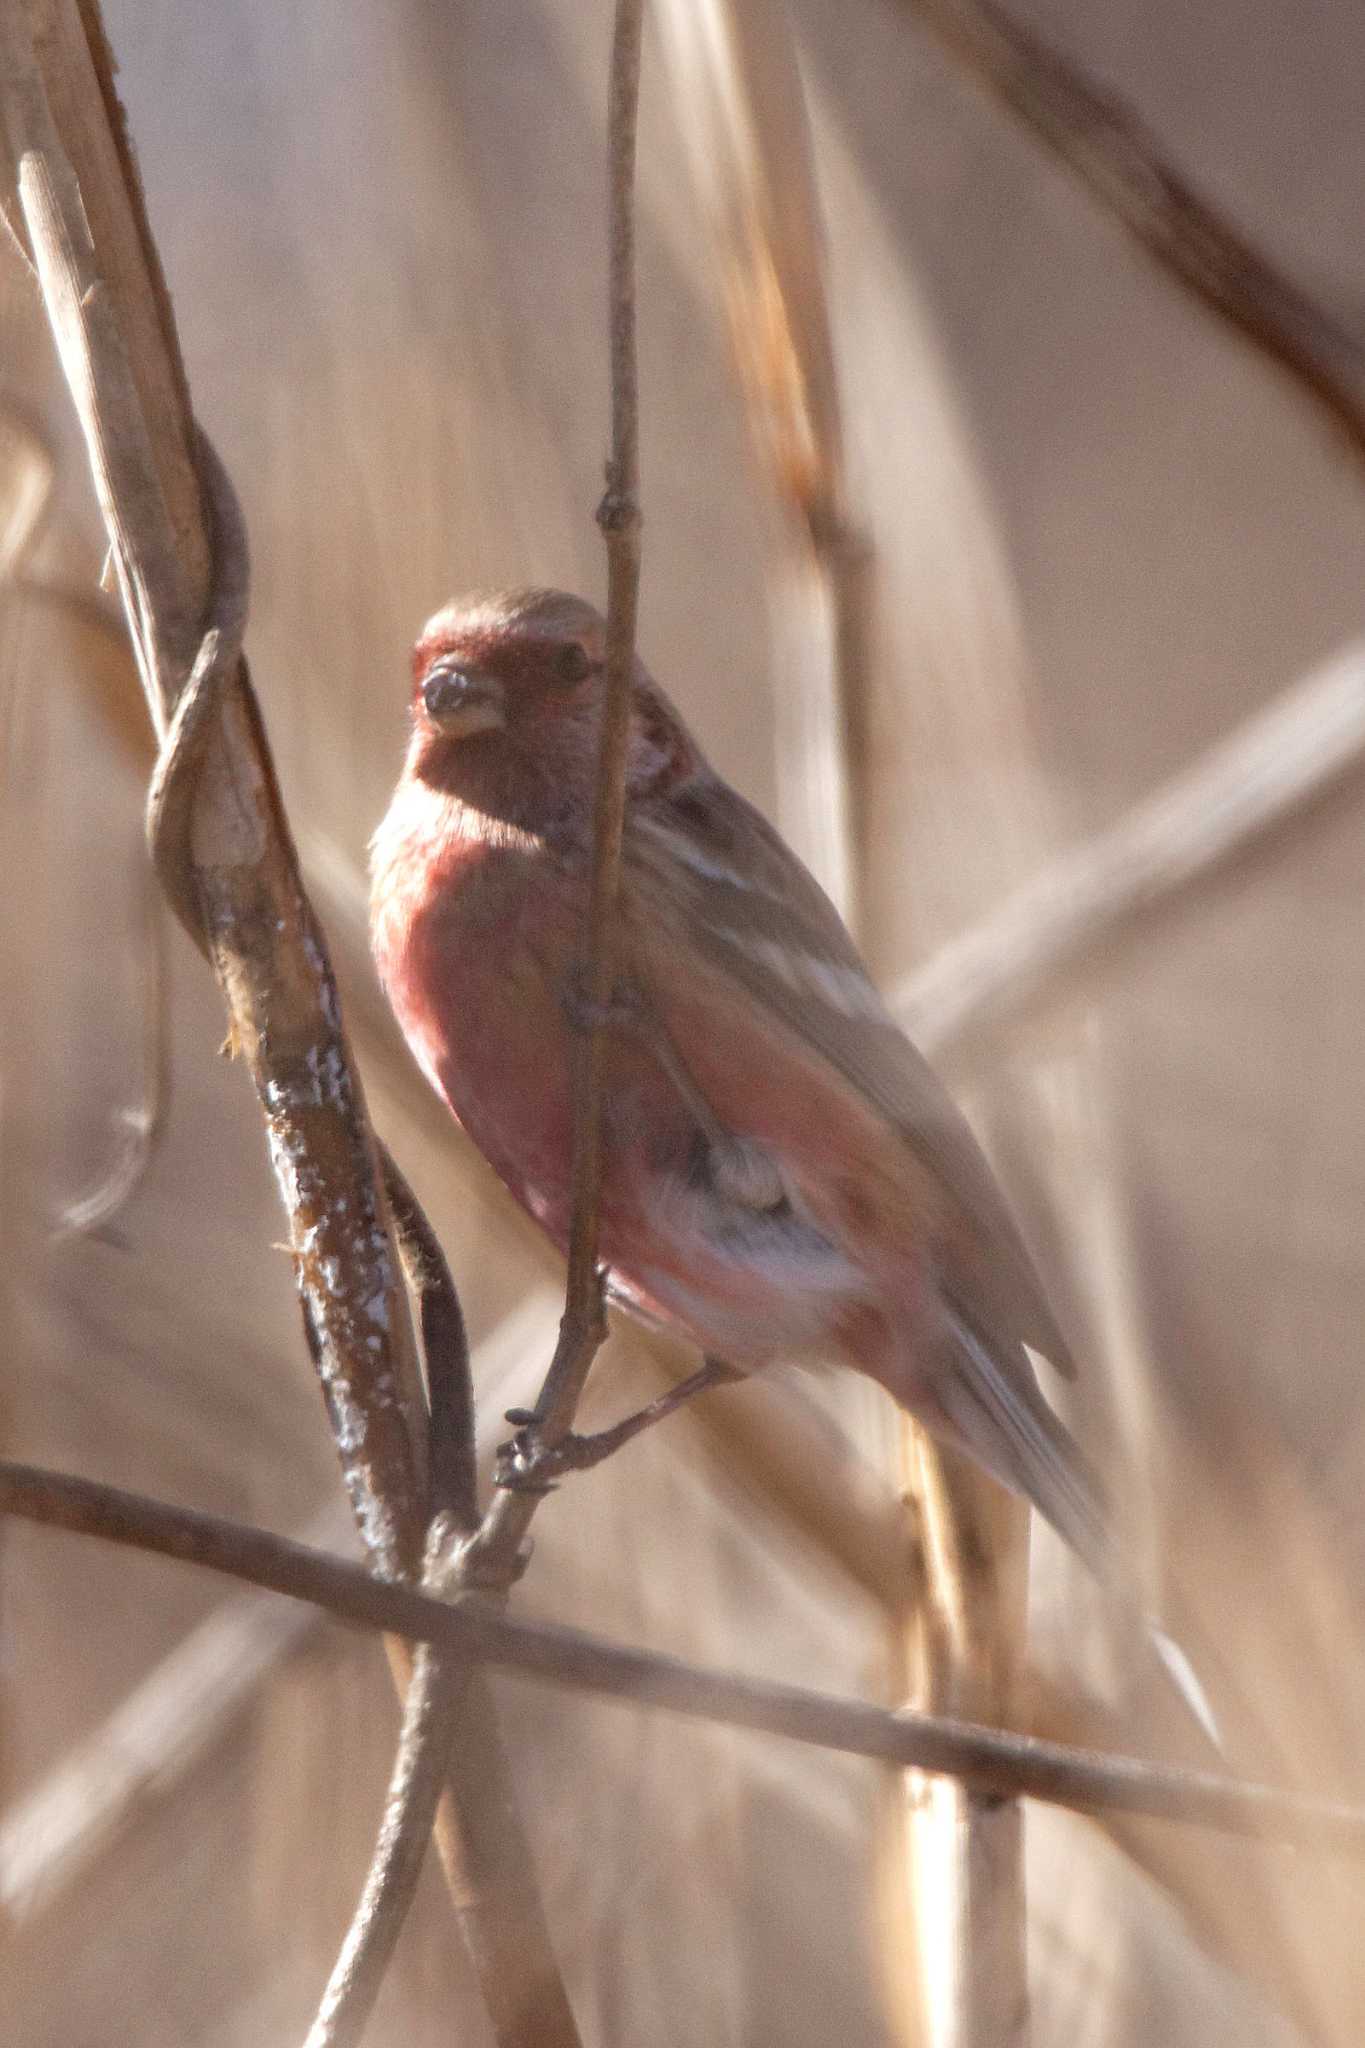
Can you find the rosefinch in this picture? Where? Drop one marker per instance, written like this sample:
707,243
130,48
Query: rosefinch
783,1176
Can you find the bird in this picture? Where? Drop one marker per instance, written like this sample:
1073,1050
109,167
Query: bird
784,1177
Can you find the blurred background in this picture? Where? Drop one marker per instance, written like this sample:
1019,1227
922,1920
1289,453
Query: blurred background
1104,535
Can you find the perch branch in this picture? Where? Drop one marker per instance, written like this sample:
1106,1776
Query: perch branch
437,1686
158,1735
1127,173
495,1549
997,1764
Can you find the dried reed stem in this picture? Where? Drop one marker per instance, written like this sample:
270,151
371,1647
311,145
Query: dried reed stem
227,854
958,1625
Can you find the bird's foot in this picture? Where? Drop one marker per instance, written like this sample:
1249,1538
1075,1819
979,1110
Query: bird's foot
527,1463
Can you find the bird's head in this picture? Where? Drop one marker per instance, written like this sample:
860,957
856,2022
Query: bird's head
511,662
507,695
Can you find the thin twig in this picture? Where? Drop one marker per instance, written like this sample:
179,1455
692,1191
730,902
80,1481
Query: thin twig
498,1544
619,516
1126,171
493,1554
430,1713
1003,1765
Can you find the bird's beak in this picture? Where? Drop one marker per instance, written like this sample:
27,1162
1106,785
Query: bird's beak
462,701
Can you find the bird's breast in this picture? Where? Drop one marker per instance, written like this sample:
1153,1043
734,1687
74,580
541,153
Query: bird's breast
473,960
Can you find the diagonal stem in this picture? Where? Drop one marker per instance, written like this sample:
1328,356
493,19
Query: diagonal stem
994,1763
1128,174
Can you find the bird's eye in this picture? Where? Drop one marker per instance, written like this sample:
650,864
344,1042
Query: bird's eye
572,663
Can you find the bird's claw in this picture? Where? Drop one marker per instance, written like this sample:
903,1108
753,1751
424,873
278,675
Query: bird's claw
528,1464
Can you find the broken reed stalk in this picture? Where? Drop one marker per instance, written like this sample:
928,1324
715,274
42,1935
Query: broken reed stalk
228,856
493,1552
996,1764
264,944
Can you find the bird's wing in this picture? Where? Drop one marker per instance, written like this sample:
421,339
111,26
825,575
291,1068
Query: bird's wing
709,879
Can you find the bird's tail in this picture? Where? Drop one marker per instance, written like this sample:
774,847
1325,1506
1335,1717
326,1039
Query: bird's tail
1001,1419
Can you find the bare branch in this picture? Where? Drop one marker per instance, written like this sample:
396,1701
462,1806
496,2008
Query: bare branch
993,1763
496,1548
430,1708
1127,173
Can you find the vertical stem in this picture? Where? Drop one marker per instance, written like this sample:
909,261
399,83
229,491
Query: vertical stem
953,1890
619,518
583,1325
